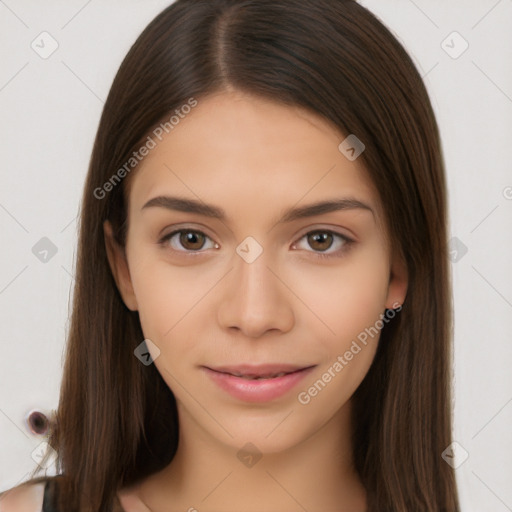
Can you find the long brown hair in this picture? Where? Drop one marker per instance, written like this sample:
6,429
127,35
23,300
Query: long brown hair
116,421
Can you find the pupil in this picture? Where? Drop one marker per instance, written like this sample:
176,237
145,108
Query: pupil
190,237
319,238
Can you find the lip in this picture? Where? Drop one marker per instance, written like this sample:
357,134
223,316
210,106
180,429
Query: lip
264,390
258,370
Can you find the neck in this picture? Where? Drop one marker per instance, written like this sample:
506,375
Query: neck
208,475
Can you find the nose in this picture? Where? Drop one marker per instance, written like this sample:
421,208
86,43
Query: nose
256,298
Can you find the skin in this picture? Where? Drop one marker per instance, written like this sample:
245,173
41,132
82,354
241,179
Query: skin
255,158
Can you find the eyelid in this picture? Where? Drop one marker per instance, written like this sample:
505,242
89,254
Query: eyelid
333,230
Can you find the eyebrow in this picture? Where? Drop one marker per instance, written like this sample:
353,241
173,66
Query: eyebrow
319,208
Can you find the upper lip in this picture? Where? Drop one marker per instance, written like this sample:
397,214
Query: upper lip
263,370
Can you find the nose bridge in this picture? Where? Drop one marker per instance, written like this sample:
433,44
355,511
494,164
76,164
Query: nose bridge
252,272
254,276
256,300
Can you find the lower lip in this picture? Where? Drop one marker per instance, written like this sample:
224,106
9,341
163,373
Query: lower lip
257,390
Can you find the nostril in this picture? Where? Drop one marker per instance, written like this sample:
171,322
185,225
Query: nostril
38,422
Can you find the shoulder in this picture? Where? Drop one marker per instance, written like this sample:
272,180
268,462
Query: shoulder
128,500
26,497
29,497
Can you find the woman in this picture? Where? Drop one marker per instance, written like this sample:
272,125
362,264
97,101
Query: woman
262,314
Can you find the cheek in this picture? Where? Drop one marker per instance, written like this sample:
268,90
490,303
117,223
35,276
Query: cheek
346,298
169,298
351,306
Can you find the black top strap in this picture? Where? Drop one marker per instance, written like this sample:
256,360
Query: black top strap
50,494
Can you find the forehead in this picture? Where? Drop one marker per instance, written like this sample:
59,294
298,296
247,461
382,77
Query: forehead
246,150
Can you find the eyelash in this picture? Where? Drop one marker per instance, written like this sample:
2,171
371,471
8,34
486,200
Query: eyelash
347,242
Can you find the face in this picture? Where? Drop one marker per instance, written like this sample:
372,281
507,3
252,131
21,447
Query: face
245,284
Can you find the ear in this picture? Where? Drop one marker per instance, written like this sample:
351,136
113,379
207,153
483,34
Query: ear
119,267
398,283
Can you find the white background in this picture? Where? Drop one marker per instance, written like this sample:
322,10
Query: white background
50,110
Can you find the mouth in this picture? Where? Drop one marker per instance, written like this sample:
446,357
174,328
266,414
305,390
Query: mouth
259,377
261,372
258,383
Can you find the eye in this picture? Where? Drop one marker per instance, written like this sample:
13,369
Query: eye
321,240
189,239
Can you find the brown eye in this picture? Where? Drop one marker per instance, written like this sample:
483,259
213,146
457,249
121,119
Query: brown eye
192,239
324,243
320,240
186,240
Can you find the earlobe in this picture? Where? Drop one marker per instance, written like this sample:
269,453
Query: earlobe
398,283
119,267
